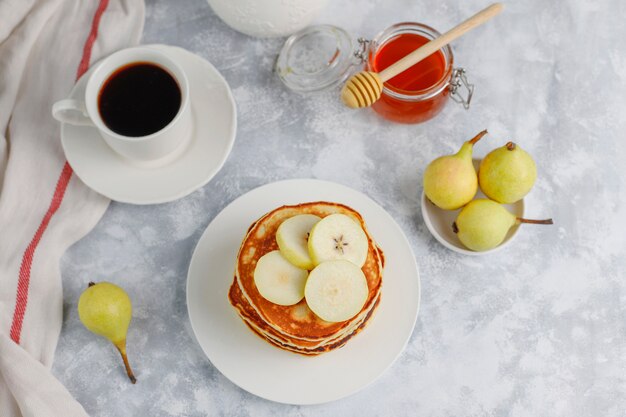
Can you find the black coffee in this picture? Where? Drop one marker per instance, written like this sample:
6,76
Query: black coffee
139,99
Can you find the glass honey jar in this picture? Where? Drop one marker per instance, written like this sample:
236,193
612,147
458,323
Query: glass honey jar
324,57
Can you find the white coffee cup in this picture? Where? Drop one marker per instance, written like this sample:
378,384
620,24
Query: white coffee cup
85,112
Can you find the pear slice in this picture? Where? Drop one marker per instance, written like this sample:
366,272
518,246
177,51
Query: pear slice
336,290
278,280
292,237
338,236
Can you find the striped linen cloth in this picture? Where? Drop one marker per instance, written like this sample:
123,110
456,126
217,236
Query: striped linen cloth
45,46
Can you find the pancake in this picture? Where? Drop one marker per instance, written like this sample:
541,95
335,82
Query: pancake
297,328
254,321
311,351
298,320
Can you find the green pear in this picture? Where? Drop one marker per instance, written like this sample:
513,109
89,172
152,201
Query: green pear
507,174
106,310
450,181
483,224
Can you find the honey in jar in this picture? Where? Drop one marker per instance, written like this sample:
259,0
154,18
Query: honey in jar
414,95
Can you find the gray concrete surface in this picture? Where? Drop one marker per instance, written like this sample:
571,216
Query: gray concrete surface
537,329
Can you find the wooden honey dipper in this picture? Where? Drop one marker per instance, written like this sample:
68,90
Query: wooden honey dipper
365,88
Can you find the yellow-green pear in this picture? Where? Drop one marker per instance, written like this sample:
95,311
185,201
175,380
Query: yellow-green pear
450,181
483,224
106,310
507,174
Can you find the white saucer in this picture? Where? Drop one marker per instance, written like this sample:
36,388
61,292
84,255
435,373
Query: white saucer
275,374
215,124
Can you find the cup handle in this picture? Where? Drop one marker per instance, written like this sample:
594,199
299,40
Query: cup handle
71,111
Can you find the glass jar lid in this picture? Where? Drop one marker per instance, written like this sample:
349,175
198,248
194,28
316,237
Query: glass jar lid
316,58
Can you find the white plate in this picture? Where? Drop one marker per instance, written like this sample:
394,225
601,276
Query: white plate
269,372
439,223
215,124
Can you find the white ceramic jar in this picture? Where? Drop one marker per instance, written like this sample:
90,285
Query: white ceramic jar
267,18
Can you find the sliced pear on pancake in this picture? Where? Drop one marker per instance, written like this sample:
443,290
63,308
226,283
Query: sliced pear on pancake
279,281
336,290
338,236
292,237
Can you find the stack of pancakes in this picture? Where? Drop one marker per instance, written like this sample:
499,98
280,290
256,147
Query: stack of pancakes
296,328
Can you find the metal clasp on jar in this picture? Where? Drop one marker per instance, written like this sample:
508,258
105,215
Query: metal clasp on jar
459,79
361,53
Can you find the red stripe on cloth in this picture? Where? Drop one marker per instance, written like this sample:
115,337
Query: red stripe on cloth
93,34
23,283
27,259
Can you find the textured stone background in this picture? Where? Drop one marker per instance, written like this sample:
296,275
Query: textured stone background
537,329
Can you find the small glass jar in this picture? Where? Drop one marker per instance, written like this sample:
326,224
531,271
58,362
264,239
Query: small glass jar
414,106
324,56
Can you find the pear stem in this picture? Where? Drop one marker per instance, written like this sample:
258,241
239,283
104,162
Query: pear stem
455,228
129,371
91,284
510,146
546,221
478,137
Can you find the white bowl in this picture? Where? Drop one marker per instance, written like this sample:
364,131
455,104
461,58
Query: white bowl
439,223
267,18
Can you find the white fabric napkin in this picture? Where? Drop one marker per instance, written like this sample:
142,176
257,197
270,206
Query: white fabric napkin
45,45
